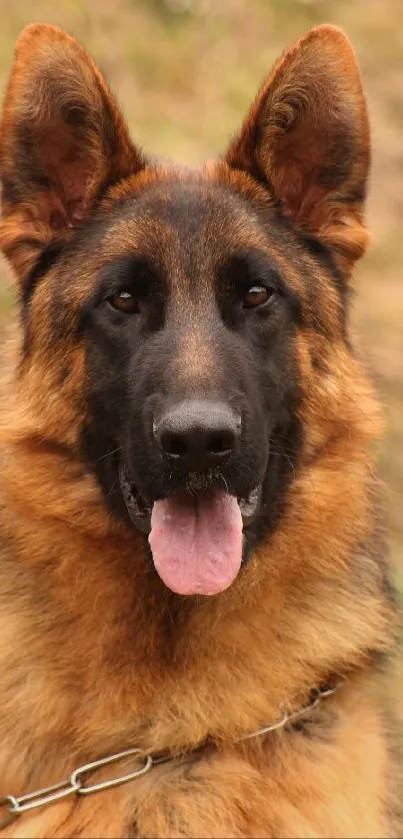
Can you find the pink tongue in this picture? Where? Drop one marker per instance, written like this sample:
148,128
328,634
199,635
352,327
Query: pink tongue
196,542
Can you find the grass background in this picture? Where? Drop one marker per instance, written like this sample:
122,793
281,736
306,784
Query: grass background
185,72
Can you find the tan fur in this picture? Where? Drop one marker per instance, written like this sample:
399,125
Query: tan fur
95,654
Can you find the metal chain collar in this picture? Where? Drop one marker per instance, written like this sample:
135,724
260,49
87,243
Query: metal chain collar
76,784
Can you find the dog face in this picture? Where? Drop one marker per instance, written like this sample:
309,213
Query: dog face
189,341
186,318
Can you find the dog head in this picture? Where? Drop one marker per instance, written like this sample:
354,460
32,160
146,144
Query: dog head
182,331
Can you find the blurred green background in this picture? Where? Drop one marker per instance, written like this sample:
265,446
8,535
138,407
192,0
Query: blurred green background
185,72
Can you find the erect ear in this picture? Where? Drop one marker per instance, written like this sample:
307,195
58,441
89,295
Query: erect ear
307,138
62,139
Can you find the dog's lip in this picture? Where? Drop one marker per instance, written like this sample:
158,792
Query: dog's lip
139,509
250,505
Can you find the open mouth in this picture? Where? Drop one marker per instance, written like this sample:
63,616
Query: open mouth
196,539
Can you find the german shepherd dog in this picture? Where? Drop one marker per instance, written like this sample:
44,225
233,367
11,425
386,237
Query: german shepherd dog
194,592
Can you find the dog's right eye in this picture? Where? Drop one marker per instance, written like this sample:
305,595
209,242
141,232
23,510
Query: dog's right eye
124,302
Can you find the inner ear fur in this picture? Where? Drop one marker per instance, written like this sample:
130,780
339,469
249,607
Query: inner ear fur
307,138
62,139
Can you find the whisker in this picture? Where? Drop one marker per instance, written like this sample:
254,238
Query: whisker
112,489
108,454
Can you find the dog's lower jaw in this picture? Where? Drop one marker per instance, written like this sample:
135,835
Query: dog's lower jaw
139,509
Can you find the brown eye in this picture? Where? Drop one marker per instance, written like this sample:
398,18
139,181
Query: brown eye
256,295
124,302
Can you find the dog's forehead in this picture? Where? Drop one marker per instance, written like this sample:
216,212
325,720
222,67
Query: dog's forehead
189,215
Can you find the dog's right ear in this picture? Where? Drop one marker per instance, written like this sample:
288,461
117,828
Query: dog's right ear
62,139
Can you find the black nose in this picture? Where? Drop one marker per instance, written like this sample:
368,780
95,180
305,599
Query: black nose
199,434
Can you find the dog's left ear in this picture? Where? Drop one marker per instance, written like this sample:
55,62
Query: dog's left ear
307,139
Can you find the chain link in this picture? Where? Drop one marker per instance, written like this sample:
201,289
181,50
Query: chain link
80,773
14,806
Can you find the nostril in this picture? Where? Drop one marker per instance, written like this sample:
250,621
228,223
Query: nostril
173,446
221,444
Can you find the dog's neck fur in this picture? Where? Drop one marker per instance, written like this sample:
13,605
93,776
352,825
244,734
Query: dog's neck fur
87,624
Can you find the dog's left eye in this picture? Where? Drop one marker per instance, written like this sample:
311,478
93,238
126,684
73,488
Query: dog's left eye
124,302
257,295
